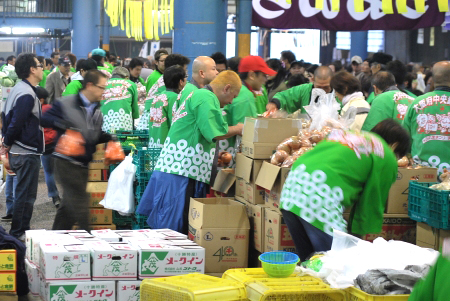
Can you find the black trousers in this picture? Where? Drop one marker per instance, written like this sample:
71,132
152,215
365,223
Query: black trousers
74,206
307,238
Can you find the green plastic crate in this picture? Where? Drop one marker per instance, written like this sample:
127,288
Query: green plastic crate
429,206
120,220
139,222
139,139
145,161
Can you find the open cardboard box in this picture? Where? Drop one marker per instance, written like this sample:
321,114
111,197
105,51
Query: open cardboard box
224,180
261,136
247,171
221,226
272,178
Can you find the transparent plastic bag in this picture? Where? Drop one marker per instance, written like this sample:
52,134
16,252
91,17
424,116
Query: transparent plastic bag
114,153
323,107
71,144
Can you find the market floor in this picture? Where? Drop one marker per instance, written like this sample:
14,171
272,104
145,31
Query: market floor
44,210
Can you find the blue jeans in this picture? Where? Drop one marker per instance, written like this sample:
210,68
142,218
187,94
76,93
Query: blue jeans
26,168
47,162
10,190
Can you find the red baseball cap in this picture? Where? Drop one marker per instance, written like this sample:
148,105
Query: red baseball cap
255,63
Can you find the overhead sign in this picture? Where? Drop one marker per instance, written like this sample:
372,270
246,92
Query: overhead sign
288,14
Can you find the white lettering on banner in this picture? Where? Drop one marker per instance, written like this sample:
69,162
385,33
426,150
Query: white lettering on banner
306,10
435,138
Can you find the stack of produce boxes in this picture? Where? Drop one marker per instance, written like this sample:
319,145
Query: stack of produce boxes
8,268
100,218
259,183
105,265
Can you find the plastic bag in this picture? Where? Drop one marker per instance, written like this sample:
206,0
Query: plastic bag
323,107
114,153
71,144
275,114
119,194
445,178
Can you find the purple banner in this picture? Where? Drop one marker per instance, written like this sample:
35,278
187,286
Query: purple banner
280,14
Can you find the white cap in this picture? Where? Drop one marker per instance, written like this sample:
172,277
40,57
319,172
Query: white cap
357,59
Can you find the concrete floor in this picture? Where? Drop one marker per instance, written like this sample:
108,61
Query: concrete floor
43,216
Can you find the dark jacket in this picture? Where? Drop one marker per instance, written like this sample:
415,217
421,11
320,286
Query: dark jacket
20,119
70,112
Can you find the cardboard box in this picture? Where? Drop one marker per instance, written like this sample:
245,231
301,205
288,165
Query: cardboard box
158,258
222,227
96,192
248,169
396,227
33,238
8,282
100,216
107,235
429,237
98,161
261,136
65,262
277,236
33,277
8,260
224,180
75,291
398,194
128,290
240,188
98,175
113,261
272,178
99,227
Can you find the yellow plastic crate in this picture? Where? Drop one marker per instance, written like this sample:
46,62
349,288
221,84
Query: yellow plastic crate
355,294
192,287
288,289
251,274
7,281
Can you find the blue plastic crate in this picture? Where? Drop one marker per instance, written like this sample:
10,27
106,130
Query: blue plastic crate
145,161
428,205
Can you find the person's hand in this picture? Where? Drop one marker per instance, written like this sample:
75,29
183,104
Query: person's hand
240,128
270,107
4,149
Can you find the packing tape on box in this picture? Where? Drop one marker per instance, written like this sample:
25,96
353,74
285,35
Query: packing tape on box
259,124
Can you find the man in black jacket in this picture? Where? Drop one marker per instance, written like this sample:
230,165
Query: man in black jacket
81,112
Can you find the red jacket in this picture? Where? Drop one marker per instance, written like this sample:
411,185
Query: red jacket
49,133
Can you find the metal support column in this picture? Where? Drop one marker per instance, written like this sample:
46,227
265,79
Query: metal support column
358,43
86,27
200,27
243,27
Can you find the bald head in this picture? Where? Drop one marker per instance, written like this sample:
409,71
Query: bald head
204,70
323,72
441,74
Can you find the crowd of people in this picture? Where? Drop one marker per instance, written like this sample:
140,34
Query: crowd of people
195,121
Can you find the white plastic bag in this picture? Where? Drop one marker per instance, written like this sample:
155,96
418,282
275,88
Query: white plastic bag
323,107
119,194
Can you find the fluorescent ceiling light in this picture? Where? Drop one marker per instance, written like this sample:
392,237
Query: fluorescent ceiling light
6,30
20,30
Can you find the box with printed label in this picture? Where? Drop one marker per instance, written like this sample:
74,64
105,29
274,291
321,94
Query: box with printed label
261,136
395,226
277,235
113,261
161,258
98,227
128,290
248,169
96,192
258,212
98,160
164,234
272,178
398,194
65,262
240,187
75,291
100,216
225,236
107,235
98,175
33,277
8,260
8,282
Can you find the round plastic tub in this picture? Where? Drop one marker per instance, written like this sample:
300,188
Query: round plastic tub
279,264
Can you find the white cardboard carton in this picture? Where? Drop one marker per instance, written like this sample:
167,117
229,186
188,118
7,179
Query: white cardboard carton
65,262
33,277
80,291
115,261
128,290
168,258
107,235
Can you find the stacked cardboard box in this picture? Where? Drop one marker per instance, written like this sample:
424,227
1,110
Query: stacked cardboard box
8,268
221,226
96,188
76,265
428,237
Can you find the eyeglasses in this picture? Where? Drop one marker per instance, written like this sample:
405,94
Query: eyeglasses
40,66
101,87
